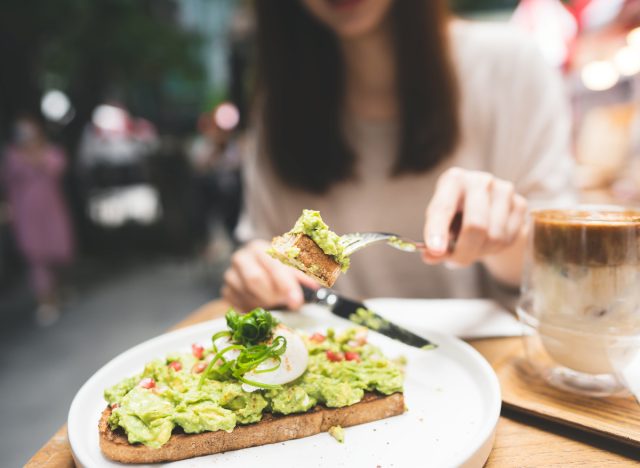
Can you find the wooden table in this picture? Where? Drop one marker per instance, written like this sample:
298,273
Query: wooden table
521,441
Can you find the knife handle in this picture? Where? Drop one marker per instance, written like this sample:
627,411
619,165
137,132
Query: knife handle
309,295
323,296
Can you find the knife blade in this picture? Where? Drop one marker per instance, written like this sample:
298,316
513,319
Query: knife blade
358,313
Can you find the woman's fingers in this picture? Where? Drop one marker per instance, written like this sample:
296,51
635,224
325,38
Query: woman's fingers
232,280
254,279
286,287
239,300
440,212
502,203
235,291
475,220
305,280
492,217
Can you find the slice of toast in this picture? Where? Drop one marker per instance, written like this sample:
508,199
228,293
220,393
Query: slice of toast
271,429
310,259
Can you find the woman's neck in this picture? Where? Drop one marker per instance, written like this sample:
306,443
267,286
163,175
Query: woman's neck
370,91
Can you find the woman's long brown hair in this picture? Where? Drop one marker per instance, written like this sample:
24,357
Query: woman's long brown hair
301,90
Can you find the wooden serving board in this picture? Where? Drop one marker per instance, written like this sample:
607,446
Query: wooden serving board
525,391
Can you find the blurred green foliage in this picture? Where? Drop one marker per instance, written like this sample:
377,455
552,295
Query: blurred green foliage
131,50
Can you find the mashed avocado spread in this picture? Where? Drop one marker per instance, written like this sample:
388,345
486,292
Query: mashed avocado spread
368,318
311,224
170,393
402,245
337,432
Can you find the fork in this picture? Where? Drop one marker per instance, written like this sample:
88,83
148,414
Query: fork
359,240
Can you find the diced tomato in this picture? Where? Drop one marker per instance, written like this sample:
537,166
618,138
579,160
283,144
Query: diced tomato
176,365
200,367
333,356
351,356
197,350
317,338
115,405
361,337
147,383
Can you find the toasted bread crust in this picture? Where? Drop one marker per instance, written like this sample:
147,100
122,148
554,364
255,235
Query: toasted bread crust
271,429
311,259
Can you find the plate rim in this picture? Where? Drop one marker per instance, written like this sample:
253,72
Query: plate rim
487,429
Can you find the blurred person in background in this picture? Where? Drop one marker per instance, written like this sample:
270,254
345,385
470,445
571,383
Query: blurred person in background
390,115
114,148
32,171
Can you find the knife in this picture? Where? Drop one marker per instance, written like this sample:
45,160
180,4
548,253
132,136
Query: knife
358,313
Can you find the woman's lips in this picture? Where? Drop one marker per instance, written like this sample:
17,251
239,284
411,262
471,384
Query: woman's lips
343,4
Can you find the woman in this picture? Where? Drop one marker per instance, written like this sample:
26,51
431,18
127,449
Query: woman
32,172
388,115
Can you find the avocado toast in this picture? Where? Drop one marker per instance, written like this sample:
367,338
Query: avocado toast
311,248
258,383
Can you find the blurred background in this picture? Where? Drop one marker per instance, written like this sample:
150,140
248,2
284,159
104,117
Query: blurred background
144,105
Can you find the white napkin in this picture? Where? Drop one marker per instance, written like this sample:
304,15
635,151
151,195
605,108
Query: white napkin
464,318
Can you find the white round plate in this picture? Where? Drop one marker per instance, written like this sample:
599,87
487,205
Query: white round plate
452,396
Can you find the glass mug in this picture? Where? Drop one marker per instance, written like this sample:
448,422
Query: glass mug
580,301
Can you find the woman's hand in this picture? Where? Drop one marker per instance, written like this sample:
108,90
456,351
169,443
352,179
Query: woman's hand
254,279
493,216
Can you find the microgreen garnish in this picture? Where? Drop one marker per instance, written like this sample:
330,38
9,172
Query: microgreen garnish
248,334
252,328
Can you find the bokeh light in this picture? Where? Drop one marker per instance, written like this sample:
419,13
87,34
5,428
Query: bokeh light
110,118
627,61
633,38
599,75
55,105
226,116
